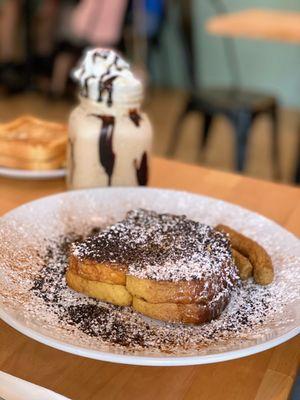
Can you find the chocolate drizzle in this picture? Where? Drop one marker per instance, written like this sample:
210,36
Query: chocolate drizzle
135,117
85,89
142,170
102,54
82,72
106,86
106,153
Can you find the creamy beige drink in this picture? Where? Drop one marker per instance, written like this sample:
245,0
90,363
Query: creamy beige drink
109,136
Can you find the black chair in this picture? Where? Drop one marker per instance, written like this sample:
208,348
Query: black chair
297,178
240,106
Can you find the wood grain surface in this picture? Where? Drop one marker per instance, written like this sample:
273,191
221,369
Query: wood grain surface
275,25
264,376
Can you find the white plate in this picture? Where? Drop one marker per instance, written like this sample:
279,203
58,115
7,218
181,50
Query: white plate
12,388
30,174
29,229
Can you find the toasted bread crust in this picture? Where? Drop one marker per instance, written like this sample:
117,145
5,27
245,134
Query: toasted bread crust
93,271
186,313
115,294
192,313
182,292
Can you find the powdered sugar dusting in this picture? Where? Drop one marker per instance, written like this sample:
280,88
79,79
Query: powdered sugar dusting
163,247
33,243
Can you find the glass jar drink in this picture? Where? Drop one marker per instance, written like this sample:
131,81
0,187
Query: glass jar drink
110,137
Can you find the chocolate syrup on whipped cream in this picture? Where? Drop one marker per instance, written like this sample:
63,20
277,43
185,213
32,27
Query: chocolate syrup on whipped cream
106,86
85,89
105,83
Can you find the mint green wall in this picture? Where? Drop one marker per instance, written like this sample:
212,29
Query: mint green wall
268,66
168,64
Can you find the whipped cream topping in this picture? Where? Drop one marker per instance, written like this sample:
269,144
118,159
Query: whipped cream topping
104,76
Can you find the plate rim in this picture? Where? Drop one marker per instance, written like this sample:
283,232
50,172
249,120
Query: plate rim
18,173
154,361
142,360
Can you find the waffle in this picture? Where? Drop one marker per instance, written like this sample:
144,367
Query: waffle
33,144
165,266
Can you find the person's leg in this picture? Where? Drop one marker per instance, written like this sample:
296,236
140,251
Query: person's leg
12,76
45,29
10,12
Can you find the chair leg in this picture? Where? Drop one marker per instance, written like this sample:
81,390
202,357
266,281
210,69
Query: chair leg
176,132
275,143
207,120
205,130
297,176
241,122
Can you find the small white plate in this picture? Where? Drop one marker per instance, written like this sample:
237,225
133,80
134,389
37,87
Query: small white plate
32,174
13,388
26,232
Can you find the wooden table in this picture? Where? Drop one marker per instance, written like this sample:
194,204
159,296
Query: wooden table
265,376
257,24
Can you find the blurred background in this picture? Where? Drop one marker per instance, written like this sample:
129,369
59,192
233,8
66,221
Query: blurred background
223,81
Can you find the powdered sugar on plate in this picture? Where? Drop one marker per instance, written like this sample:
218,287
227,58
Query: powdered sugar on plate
33,243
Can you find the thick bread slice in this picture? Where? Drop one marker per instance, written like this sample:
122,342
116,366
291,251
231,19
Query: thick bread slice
177,269
115,294
30,138
183,292
36,165
91,270
171,312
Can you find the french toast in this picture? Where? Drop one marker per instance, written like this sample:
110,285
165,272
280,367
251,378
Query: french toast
32,143
192,313
166,266
112,293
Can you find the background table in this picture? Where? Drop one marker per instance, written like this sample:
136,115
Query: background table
257,24
267,375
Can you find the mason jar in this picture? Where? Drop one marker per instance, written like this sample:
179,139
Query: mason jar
109,144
